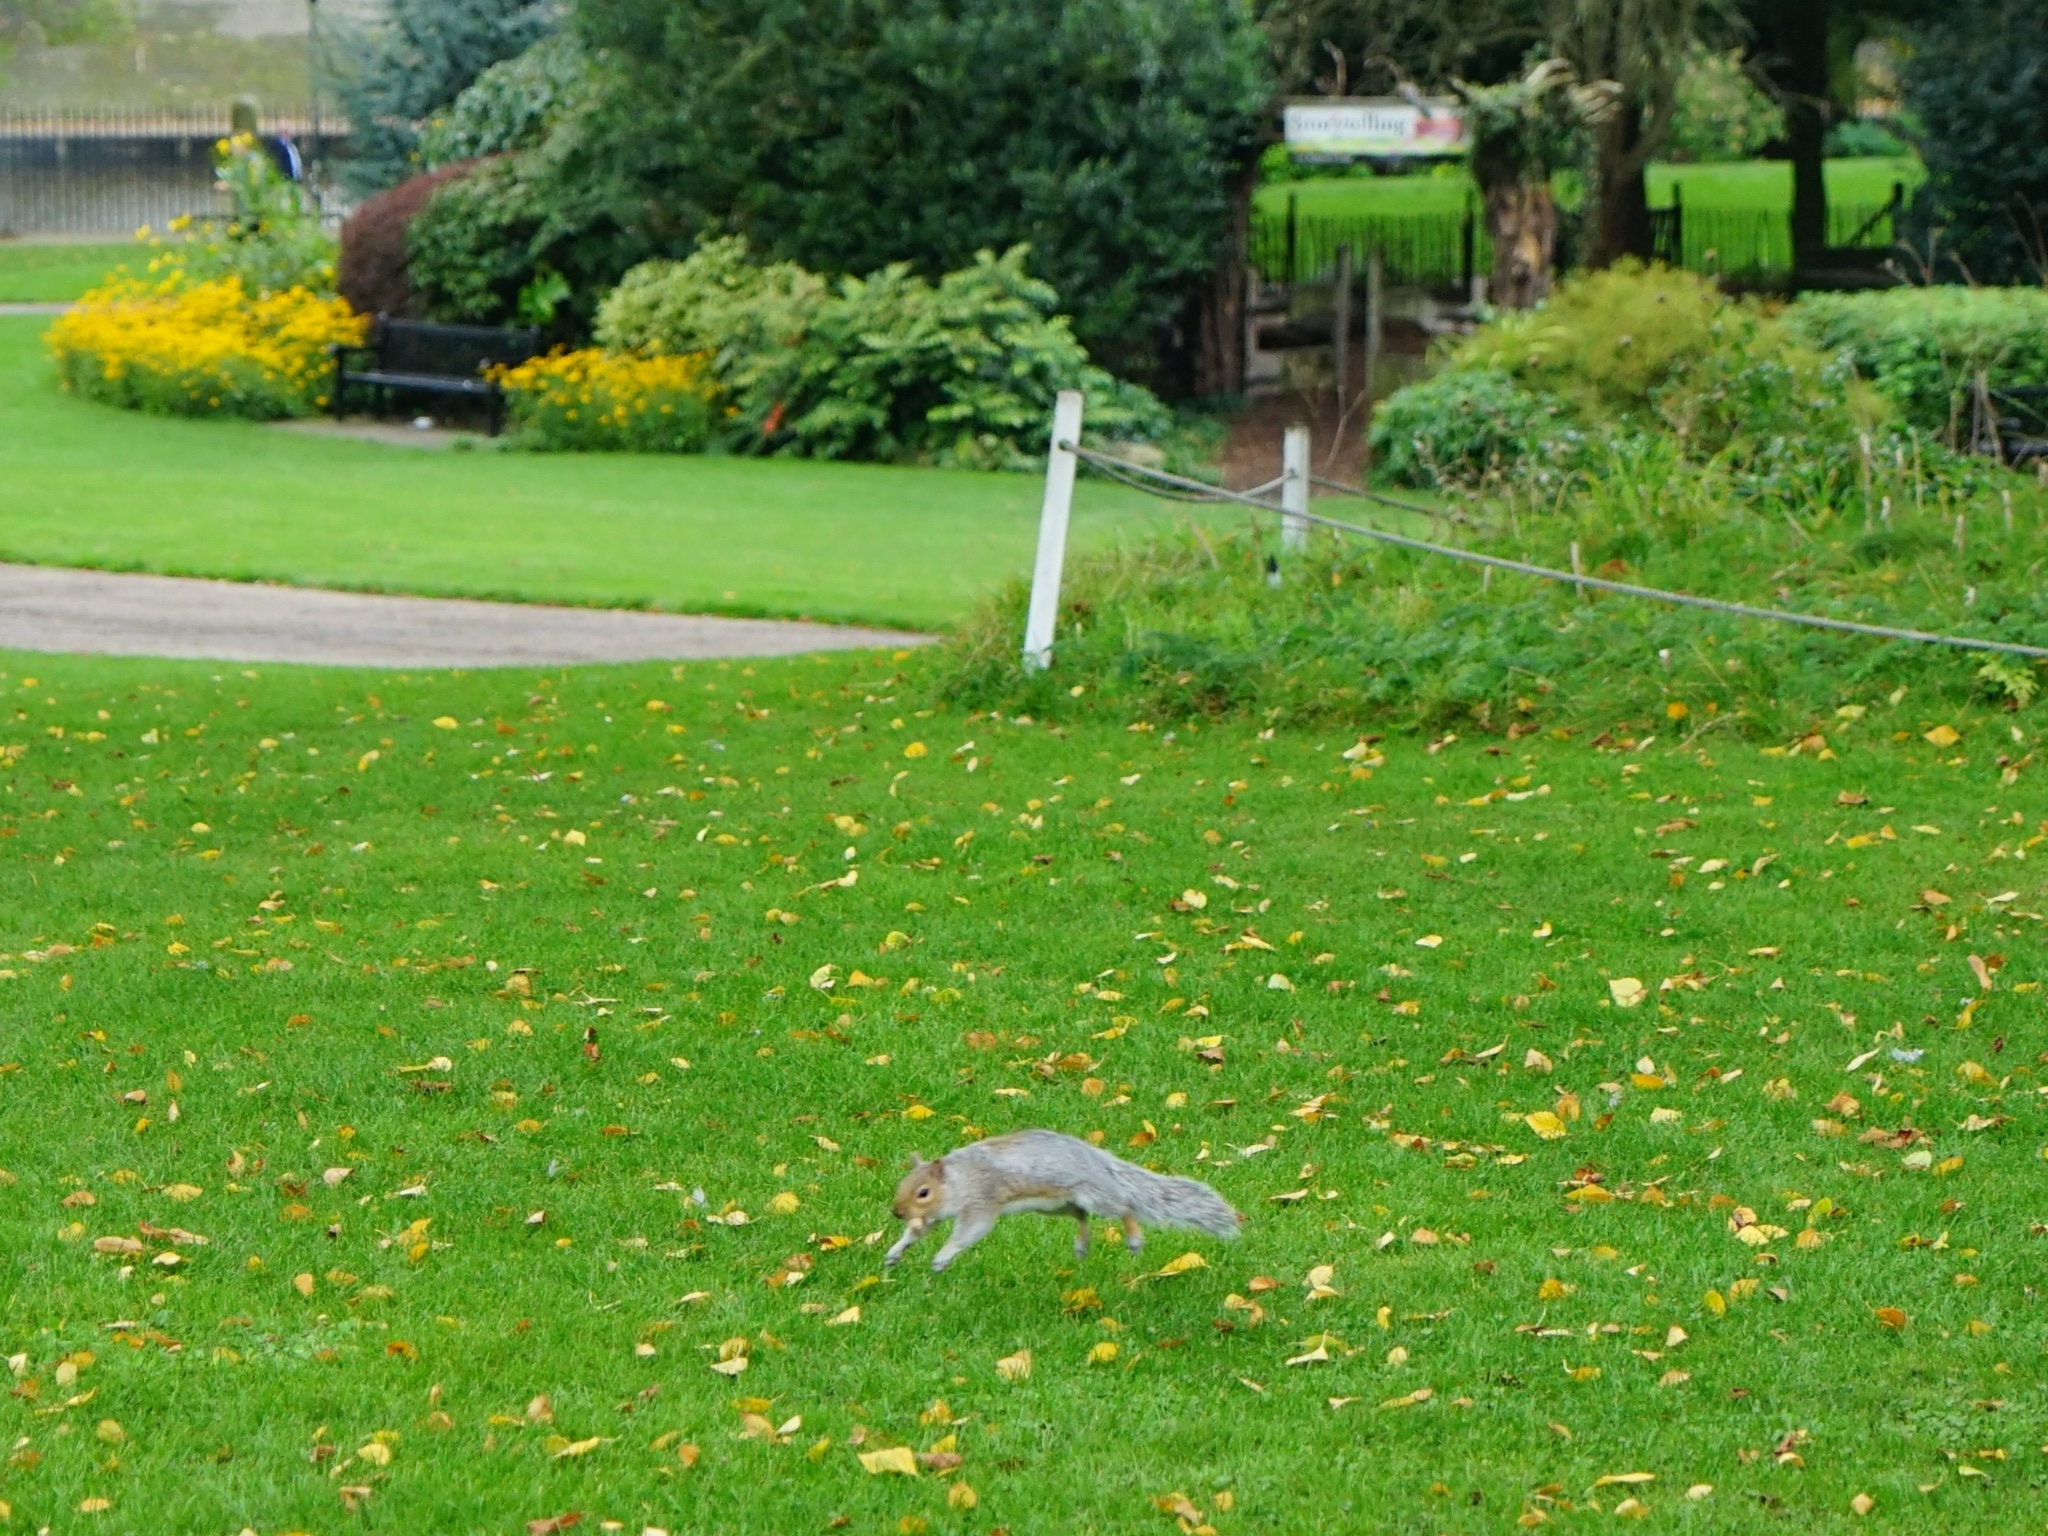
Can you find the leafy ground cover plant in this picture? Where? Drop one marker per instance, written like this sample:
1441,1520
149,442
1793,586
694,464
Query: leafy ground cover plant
1627,350
423,1091
1925,349
888,366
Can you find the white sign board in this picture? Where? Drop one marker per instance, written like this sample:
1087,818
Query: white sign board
1365,127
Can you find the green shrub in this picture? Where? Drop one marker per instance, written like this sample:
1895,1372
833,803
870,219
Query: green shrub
1720,113
1458,426
718,299
1609,341
521,223
884,367
511,105
1625,351
1923,348
1861,139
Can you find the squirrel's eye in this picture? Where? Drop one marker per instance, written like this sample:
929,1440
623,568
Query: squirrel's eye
924,1194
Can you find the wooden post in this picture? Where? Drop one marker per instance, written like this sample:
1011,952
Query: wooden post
1467,248
1060,466
1292,236
1375,293
1294,472
1340,328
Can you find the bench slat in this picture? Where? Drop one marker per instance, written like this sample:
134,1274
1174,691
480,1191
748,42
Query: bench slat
446,383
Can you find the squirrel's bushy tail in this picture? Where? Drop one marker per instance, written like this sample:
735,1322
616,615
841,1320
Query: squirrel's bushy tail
1163,1200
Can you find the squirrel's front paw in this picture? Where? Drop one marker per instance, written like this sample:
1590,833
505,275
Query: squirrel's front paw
939,1266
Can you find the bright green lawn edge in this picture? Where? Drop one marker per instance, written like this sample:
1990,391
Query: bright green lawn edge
90,486
48,274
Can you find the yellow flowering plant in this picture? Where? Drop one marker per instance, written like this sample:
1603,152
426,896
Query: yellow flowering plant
592,400
207,348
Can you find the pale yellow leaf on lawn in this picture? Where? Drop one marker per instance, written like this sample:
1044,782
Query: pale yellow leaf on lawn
900,1459
1627,991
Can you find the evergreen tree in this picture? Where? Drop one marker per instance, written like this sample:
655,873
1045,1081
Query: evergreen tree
1108,135
393,76
1977,82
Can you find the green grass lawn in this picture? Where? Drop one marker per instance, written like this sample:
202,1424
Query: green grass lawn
1765,184
87,485
371,1037
43,274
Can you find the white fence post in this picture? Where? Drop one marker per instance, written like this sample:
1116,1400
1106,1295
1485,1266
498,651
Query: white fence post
1060,465
1294,489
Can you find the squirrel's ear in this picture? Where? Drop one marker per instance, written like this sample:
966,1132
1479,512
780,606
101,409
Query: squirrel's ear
912,1160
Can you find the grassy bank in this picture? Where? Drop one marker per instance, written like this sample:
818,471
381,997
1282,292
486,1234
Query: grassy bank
1664,1118
46,274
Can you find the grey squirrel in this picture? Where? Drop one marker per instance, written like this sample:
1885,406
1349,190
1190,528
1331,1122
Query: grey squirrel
1059,1175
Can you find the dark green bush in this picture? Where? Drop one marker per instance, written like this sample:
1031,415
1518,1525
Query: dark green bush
1923,348
846,135
1976,85
501,234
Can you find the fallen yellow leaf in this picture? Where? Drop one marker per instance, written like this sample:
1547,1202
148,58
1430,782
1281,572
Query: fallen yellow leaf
900,1459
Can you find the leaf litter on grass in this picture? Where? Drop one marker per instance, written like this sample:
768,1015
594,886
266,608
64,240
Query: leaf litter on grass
1429,1174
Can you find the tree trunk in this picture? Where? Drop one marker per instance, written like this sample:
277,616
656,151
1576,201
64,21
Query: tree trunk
1794,41
1521,220
1621,202
1219,320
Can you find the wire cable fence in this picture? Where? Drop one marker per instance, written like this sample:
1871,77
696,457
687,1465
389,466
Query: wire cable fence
1292,506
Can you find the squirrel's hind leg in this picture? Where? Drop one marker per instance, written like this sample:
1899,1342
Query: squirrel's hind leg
1081,1235
969,1228
1134,1235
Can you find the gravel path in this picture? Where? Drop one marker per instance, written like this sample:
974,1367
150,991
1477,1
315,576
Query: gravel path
99,612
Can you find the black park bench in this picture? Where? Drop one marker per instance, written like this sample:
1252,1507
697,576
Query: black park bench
420,357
